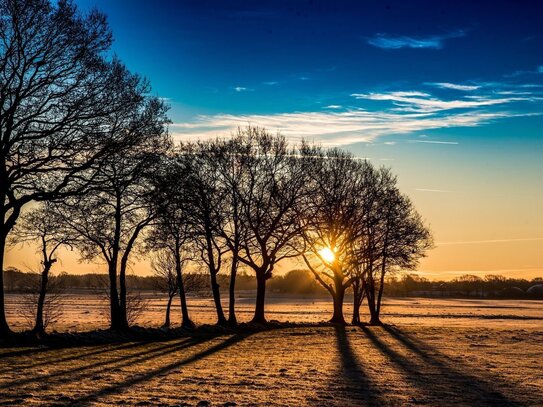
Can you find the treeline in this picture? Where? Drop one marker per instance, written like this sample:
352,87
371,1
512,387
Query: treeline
19,282
299,282
86,162
466,286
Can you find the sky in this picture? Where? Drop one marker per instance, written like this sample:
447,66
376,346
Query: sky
447,94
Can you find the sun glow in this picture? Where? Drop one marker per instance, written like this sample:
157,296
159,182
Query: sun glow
327,254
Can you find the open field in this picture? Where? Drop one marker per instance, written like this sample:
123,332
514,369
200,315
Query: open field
434,352
86,312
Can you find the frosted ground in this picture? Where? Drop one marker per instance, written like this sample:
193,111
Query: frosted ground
432,352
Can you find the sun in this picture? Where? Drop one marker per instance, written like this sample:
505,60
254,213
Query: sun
327,254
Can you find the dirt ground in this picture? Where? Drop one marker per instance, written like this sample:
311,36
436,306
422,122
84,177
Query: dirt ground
432,352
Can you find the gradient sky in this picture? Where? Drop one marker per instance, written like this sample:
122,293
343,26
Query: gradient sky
448,94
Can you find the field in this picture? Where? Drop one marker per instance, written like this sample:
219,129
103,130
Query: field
431,352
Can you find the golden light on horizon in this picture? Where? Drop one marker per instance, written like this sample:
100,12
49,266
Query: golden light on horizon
327,255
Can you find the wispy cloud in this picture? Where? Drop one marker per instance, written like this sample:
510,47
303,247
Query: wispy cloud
271,83
387,41
332,128
242,89
414,101
523,239
447,85
434,142
406,113
521,72
453,273
431,190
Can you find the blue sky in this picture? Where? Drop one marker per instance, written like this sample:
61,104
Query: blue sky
449,94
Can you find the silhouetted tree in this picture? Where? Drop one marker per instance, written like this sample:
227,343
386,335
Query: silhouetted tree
396,239
469,283
232,158
37,308
275,184
173,232
56,90
41,226
163,265
331,220
107,221
206,214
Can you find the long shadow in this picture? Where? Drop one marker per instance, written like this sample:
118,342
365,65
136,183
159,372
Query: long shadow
52,361
449,380
88,370
139,378
23,352
358,386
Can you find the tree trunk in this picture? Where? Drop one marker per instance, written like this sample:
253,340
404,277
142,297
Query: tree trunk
4,327
360,293
338,297
370,294
259,317
115,311
356,305
185,319
221,319
380,295
168,307
232,320
123,306
39,328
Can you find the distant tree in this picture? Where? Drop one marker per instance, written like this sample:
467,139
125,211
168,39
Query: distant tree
164,267
35,305
41,226
469,283
297,281
494,283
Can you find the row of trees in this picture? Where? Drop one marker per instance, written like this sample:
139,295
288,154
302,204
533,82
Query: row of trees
85,150
248,201
467,285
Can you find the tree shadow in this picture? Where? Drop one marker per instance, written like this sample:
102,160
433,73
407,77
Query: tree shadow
148,375
436,379
353,382
45,361
92,369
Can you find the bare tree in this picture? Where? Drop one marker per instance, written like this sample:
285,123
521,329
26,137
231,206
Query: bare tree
275,183
330,220
106,222
40,225
397,239
172,235
44,301
231,157
163,265
206,211
56,90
